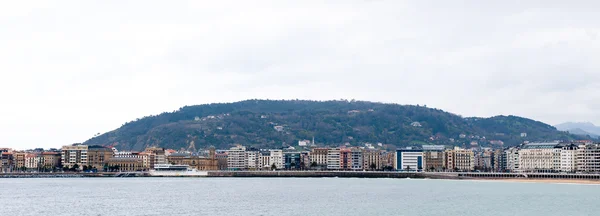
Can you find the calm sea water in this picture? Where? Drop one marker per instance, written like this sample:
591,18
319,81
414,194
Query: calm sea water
292,196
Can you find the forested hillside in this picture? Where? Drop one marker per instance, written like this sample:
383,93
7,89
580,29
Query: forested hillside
273,124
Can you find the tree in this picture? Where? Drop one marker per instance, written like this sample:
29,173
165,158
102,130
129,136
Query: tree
292,165
273,166
373,166
313,165
408,168
85,168
75,168
302,166
65,168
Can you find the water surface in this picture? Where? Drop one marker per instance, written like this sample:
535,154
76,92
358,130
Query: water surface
292,196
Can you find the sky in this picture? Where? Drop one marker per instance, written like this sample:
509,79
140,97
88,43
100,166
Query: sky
71,69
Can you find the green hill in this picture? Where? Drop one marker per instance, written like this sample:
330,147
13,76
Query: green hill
254,122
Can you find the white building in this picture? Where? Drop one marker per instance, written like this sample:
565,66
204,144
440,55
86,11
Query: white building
568,158
512,159
236,158
276,158
333,158
32,161
409,159
588,158
304,142
539,157
253,160
265,159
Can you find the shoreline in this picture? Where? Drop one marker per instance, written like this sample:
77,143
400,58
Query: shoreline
539,180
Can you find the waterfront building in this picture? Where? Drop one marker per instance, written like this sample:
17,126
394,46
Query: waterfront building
568,158
32,161
356,159
265,159
125,164
51,160
459,159
512,159
7,164
588,158
292,160
409,159
236,158
75,154
19,160
484,160
345,159
434,160
434,157
333,159
372,159
98,157
540,157
499,161
253,160
276,157
195,161
318,156
304,160
153,156
221,160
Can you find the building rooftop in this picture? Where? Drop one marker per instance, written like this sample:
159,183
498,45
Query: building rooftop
547,145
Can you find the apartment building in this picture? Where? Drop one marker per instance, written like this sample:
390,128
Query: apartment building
568,157
253,160
98,157
356,159
236,158
51,160
434,160
588,158
333,159
153,156
319,156
459,159
539,157
372,159
75,154
276,157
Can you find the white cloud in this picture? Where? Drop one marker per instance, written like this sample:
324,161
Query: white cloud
73,69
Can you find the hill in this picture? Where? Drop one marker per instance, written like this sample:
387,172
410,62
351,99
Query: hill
272,124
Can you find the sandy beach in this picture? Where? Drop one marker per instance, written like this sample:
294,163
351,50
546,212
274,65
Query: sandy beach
552,181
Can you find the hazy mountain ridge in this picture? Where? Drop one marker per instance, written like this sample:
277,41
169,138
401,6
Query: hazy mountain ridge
253,122
580,128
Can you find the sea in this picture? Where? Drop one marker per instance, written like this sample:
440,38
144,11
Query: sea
292,196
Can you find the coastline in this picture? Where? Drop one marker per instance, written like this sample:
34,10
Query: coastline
540,180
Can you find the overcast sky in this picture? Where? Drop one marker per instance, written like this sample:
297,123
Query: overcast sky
70,69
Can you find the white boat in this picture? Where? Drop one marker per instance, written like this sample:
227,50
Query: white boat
175,170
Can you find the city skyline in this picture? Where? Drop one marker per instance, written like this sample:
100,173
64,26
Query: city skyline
74,69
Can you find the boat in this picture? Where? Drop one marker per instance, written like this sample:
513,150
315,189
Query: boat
175,170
